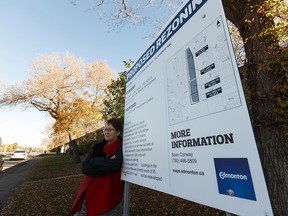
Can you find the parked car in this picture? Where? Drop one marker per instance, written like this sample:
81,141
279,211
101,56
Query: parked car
19,154
1,162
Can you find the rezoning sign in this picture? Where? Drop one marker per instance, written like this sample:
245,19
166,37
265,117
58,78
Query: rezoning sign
187,130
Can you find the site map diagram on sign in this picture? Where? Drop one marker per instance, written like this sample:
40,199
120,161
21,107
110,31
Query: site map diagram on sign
200,77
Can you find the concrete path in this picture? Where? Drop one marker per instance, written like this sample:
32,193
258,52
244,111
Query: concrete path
14,176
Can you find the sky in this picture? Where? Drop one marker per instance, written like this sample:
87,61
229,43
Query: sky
32,28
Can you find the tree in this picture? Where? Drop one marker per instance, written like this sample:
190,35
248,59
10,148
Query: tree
123,13
60,85
11,147
56,140
267,84
114,102
96,78
262,25
77,118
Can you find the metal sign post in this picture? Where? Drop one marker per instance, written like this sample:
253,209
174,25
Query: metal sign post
126,209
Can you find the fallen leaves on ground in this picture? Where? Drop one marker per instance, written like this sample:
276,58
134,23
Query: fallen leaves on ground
147,202
47,197
56,196
52,187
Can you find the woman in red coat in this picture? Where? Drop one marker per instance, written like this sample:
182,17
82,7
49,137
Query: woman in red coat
102,189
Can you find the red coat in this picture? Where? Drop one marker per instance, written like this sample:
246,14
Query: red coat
102,193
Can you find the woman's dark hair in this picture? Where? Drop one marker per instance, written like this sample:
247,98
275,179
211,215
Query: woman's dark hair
116,123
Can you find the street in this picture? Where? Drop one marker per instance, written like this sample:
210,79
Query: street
9,164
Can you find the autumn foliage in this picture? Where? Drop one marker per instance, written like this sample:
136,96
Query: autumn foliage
68,89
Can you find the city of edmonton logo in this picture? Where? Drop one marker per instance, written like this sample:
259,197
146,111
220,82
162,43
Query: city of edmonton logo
234,177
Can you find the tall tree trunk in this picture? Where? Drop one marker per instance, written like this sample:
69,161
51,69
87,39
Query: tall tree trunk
270,135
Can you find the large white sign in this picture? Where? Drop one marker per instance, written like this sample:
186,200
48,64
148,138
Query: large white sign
187,130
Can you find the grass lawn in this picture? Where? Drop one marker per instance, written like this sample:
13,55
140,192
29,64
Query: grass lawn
51,187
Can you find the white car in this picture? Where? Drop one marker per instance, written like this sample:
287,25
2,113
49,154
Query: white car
19,154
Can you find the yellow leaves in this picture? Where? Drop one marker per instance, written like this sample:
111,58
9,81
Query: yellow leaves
78,118
69,89
55,70
99,75
281,103
248,21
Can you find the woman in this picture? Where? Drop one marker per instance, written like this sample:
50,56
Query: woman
102,189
